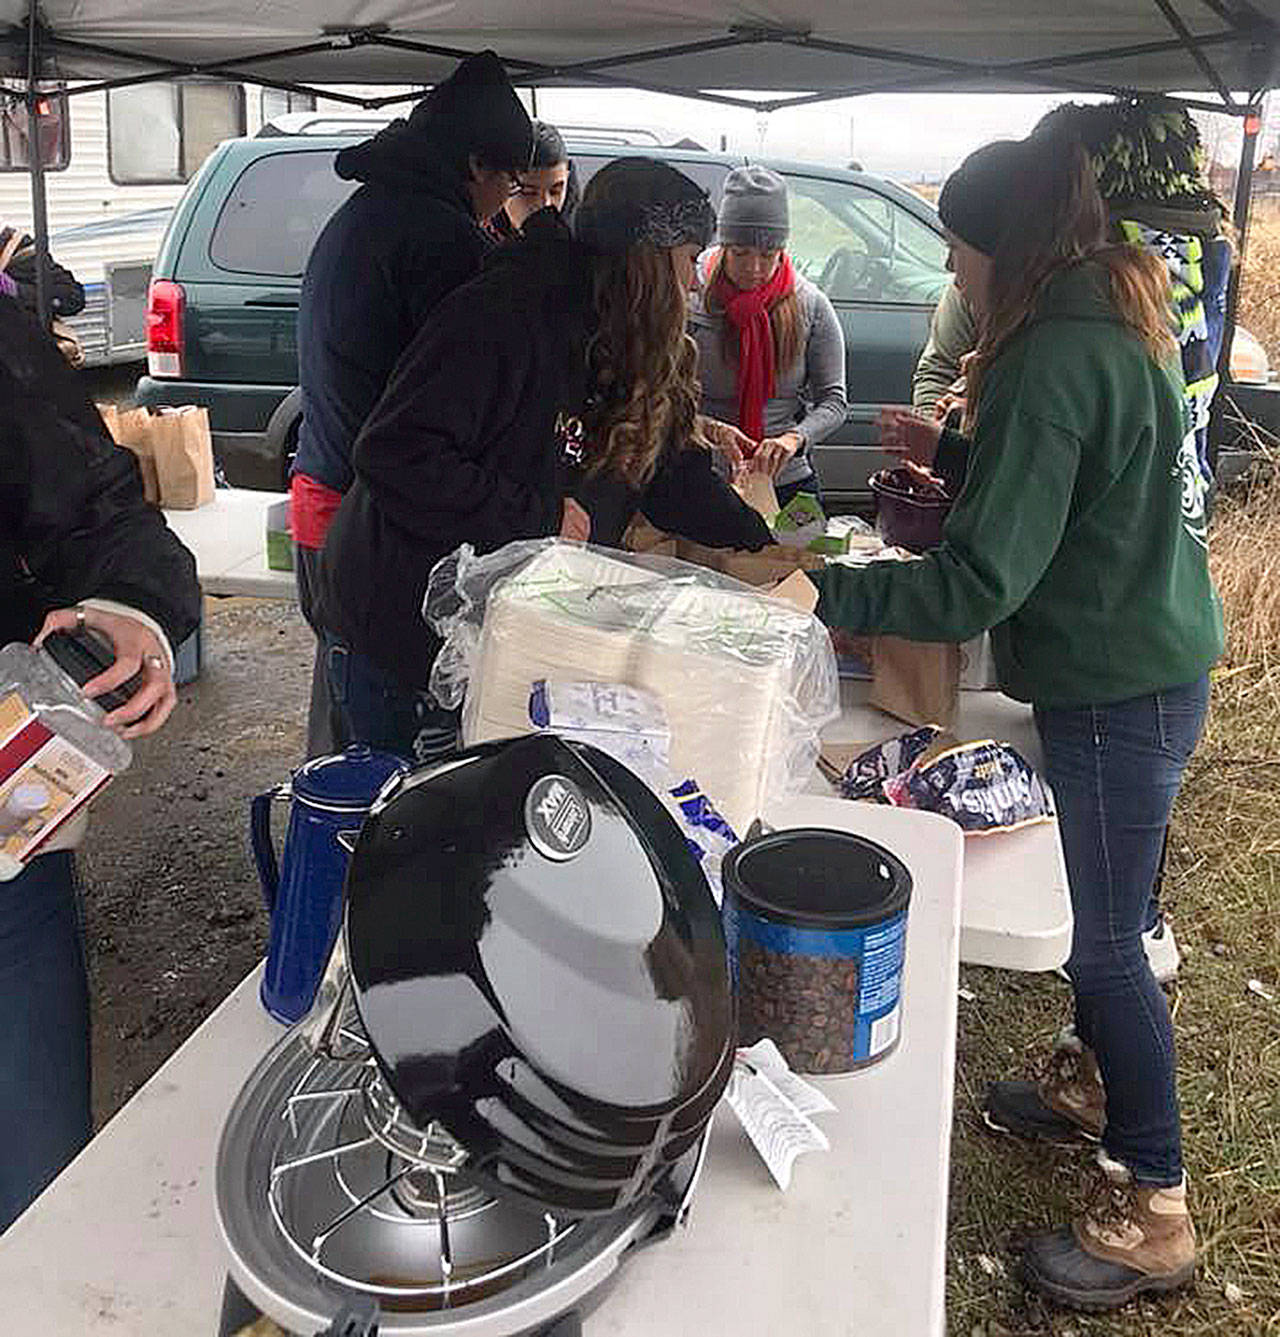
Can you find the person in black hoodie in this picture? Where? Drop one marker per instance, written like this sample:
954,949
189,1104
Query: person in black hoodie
413,232
564,369
18,249
78,546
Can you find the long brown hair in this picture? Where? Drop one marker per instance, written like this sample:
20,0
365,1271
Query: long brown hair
1057,220
784,322
643,363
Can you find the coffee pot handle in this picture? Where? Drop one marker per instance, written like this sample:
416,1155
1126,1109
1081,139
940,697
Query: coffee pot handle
264,854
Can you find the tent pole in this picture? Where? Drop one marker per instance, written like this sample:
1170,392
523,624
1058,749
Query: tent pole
39,200
1240,219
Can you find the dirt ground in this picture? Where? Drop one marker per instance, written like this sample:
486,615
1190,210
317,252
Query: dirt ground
174,914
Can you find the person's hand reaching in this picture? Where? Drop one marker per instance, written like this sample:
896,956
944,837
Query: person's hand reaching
774,452
575,523
729,441
137,649
906,433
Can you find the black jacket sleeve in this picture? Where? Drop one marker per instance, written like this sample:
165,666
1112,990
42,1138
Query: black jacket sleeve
71,499
449,448
66,296
689,499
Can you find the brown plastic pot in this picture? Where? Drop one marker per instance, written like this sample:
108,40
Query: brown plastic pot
908,519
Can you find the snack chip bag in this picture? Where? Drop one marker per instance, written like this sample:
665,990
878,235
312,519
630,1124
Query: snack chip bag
982,787
866,775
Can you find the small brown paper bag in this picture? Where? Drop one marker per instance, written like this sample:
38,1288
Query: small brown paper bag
130,428
183,451
110,416
916,681
756,489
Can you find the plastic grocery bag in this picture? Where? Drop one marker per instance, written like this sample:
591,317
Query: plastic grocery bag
55,753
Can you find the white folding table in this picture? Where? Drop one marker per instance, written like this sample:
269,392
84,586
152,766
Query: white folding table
124,1241
1016,912
228,539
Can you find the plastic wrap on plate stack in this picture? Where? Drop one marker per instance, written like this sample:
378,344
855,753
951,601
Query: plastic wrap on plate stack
746,681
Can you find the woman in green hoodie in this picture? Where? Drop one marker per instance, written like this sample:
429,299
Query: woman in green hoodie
1078,538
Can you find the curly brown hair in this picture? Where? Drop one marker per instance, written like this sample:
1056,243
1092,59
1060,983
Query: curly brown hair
643,364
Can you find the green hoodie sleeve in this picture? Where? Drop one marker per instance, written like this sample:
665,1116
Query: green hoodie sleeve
998,542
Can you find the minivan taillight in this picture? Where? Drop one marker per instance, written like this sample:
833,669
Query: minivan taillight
166,341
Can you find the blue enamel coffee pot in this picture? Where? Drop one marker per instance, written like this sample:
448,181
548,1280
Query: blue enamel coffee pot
330,798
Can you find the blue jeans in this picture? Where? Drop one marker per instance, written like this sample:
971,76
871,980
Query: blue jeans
45,1115
370,706
1115,771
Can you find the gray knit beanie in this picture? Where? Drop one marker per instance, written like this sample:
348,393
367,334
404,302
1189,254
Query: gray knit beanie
754,209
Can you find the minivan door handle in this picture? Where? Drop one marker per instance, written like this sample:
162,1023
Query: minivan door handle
286,303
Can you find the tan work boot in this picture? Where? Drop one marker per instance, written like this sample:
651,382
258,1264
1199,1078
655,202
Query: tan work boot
1067,1104
1134,1239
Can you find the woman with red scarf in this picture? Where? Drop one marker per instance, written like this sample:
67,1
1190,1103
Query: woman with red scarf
771,354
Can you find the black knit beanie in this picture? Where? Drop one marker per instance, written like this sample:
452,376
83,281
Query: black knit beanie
636,200
976,202
477,107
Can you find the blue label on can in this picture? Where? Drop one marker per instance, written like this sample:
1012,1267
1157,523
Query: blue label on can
880,952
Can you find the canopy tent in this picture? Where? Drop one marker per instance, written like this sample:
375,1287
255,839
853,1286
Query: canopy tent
792,51
819,48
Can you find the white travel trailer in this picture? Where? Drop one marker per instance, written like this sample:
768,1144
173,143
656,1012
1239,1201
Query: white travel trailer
126,157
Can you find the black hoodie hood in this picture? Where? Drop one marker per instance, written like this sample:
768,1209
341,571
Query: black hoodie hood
474,111
545,259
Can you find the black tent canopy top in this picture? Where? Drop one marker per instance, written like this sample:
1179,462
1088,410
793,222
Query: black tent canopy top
791,50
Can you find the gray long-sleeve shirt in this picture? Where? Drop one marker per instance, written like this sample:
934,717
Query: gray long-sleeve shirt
809,397
953,333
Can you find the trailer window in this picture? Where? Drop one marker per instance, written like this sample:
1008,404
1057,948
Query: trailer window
280,102
15,138
275,212
159,134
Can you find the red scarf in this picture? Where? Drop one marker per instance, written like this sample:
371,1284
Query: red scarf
747,310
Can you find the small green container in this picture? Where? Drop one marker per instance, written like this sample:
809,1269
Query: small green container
279,540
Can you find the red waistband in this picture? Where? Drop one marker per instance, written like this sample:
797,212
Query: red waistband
312,506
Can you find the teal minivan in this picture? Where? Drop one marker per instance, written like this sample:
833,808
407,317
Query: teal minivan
223,304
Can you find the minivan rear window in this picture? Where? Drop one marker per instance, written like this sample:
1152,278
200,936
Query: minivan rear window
275,211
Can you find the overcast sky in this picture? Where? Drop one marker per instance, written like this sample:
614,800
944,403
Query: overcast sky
912,137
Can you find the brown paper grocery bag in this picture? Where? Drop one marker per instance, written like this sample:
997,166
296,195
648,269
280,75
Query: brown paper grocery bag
110,416
130,428
916,681
183,451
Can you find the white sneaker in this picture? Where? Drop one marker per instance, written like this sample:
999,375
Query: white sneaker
1161,949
